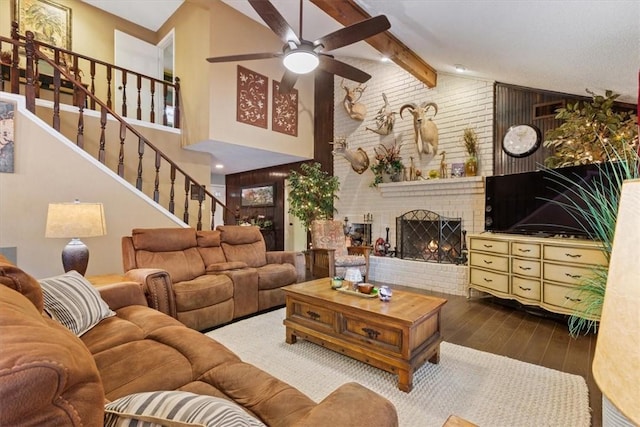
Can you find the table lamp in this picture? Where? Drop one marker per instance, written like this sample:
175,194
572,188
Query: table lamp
75,220
616,363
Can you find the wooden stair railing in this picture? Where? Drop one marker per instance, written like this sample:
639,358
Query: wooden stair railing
193,191
102,79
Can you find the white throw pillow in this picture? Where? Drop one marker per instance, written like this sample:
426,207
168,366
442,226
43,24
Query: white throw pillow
73,301
176,408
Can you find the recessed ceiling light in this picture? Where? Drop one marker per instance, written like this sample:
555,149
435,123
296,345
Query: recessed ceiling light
460,68
219,166
385,59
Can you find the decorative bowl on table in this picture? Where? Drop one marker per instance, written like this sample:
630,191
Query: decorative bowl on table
365,288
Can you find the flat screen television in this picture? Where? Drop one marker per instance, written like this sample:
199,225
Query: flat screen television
531,202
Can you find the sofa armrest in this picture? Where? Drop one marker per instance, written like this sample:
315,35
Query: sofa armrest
157,287
352,404
122,294
289,257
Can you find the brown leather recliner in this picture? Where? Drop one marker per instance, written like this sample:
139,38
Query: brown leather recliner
214,276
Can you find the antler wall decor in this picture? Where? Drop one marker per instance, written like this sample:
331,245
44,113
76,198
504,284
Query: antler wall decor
385,119
358,159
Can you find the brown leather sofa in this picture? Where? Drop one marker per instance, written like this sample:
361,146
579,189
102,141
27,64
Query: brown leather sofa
214,276
49,376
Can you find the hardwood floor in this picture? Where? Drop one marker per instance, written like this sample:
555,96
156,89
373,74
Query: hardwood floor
486,325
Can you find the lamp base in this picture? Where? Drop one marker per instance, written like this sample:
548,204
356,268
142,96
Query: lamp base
75,256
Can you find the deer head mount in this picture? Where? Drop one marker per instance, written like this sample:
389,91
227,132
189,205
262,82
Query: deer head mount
425,130
356,110
358,159
385,119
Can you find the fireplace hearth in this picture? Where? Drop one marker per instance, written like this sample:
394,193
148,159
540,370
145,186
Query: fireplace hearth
423,235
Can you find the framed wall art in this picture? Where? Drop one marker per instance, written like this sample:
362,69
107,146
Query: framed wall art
284,111
7,139
258,196
252,98
50,22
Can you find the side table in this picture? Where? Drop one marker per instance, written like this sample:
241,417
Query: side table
106,279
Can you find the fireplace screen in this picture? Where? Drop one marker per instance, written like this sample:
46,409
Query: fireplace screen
423,235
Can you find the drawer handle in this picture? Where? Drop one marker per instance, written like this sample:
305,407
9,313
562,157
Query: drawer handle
572,299
573,276
524,250
487,280
371,333
524,268
524,289
313,315
487,261
487,246
573,255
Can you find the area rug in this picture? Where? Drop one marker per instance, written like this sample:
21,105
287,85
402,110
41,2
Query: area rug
484,388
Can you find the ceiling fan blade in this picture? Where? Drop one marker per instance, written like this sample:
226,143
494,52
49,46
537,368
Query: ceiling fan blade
339,68
274,20
246,57
353,33
289,79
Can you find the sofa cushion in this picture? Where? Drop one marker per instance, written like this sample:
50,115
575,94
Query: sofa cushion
163,239
74,302
243,244
272,276
177,408
224,266
48,377
209,246
181,265
203,291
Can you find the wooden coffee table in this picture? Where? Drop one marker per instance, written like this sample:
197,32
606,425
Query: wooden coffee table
397,336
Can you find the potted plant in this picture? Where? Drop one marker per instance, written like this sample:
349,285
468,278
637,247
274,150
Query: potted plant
595,133
388,166
470,138
312,193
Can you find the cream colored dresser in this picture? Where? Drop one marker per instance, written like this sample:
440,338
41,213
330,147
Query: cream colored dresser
532,270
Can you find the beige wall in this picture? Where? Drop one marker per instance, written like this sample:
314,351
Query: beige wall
233,33
50,169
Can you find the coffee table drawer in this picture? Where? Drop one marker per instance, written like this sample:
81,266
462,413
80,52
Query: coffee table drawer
372,334
309,313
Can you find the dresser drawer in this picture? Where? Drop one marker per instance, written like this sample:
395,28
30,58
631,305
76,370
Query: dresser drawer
526,250
487,279
487,245
574,255
565,297
372,334
526,288
306,313
525,267
569,274
493,262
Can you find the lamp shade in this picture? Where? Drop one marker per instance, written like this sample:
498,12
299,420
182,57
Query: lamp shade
75,220
616,363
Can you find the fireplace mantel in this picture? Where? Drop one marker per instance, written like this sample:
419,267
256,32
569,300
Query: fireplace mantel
472,185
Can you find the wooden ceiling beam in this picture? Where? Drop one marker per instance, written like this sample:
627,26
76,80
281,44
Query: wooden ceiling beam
347,12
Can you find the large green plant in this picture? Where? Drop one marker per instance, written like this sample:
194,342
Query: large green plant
312,193
591,132
614,139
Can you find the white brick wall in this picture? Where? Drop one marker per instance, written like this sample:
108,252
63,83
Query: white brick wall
462,102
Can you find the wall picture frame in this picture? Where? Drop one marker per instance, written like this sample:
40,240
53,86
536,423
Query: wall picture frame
50,22
263,195
7,136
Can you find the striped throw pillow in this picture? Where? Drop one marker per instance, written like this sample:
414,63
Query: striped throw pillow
73,301
176,408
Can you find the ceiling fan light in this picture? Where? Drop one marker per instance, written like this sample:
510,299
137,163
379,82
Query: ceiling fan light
301,61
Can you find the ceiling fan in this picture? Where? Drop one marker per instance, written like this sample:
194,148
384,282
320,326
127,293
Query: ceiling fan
302,56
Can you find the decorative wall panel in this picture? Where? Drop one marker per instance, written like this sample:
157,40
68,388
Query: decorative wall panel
284,112
252,98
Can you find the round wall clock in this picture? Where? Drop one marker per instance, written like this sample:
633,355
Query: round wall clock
521,140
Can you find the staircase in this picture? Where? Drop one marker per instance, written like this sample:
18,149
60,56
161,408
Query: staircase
84,112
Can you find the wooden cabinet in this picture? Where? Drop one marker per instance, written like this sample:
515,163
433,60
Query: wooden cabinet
532,270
